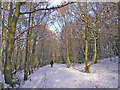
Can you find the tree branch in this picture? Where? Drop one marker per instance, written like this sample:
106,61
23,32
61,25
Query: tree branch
36,35
26,31
47,8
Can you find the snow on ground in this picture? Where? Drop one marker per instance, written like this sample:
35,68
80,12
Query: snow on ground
0,79
102,75
0,76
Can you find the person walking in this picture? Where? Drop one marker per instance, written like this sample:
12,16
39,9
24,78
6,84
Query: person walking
51,63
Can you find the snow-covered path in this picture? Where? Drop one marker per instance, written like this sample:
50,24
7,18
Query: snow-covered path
37,80
103,75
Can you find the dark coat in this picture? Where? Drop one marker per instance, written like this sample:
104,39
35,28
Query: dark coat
51,62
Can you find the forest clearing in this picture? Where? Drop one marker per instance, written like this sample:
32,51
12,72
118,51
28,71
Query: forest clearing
59,44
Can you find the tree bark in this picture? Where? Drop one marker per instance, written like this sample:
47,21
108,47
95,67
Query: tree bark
67,54
86,41
27,57
10,41
33,54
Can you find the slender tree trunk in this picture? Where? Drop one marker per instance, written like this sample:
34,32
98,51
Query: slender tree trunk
74,56
67,54
86,50
86,41
33,54
95,53
30,44
17,56
20,63
26,60
27,57
97,40
40,56
82,52
98,48
34,48
66,49
64,57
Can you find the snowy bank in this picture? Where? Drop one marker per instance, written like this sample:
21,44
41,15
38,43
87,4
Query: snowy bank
102,75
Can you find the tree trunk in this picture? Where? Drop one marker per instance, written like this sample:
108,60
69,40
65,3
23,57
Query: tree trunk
27,57
98,49
34,47
17,56
67,54
33,54
86,41
117,43
95,54
4,53
26,60
86,50
10,41
20,63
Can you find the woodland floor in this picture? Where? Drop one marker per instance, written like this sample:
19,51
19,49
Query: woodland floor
102,75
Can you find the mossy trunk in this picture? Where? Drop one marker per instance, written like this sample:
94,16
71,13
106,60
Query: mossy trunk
97,40
98,49
10,41
67,54
86,41
86,50
4,53
87,68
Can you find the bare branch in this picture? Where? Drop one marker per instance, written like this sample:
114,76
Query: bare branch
25,31
47,8
36,35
